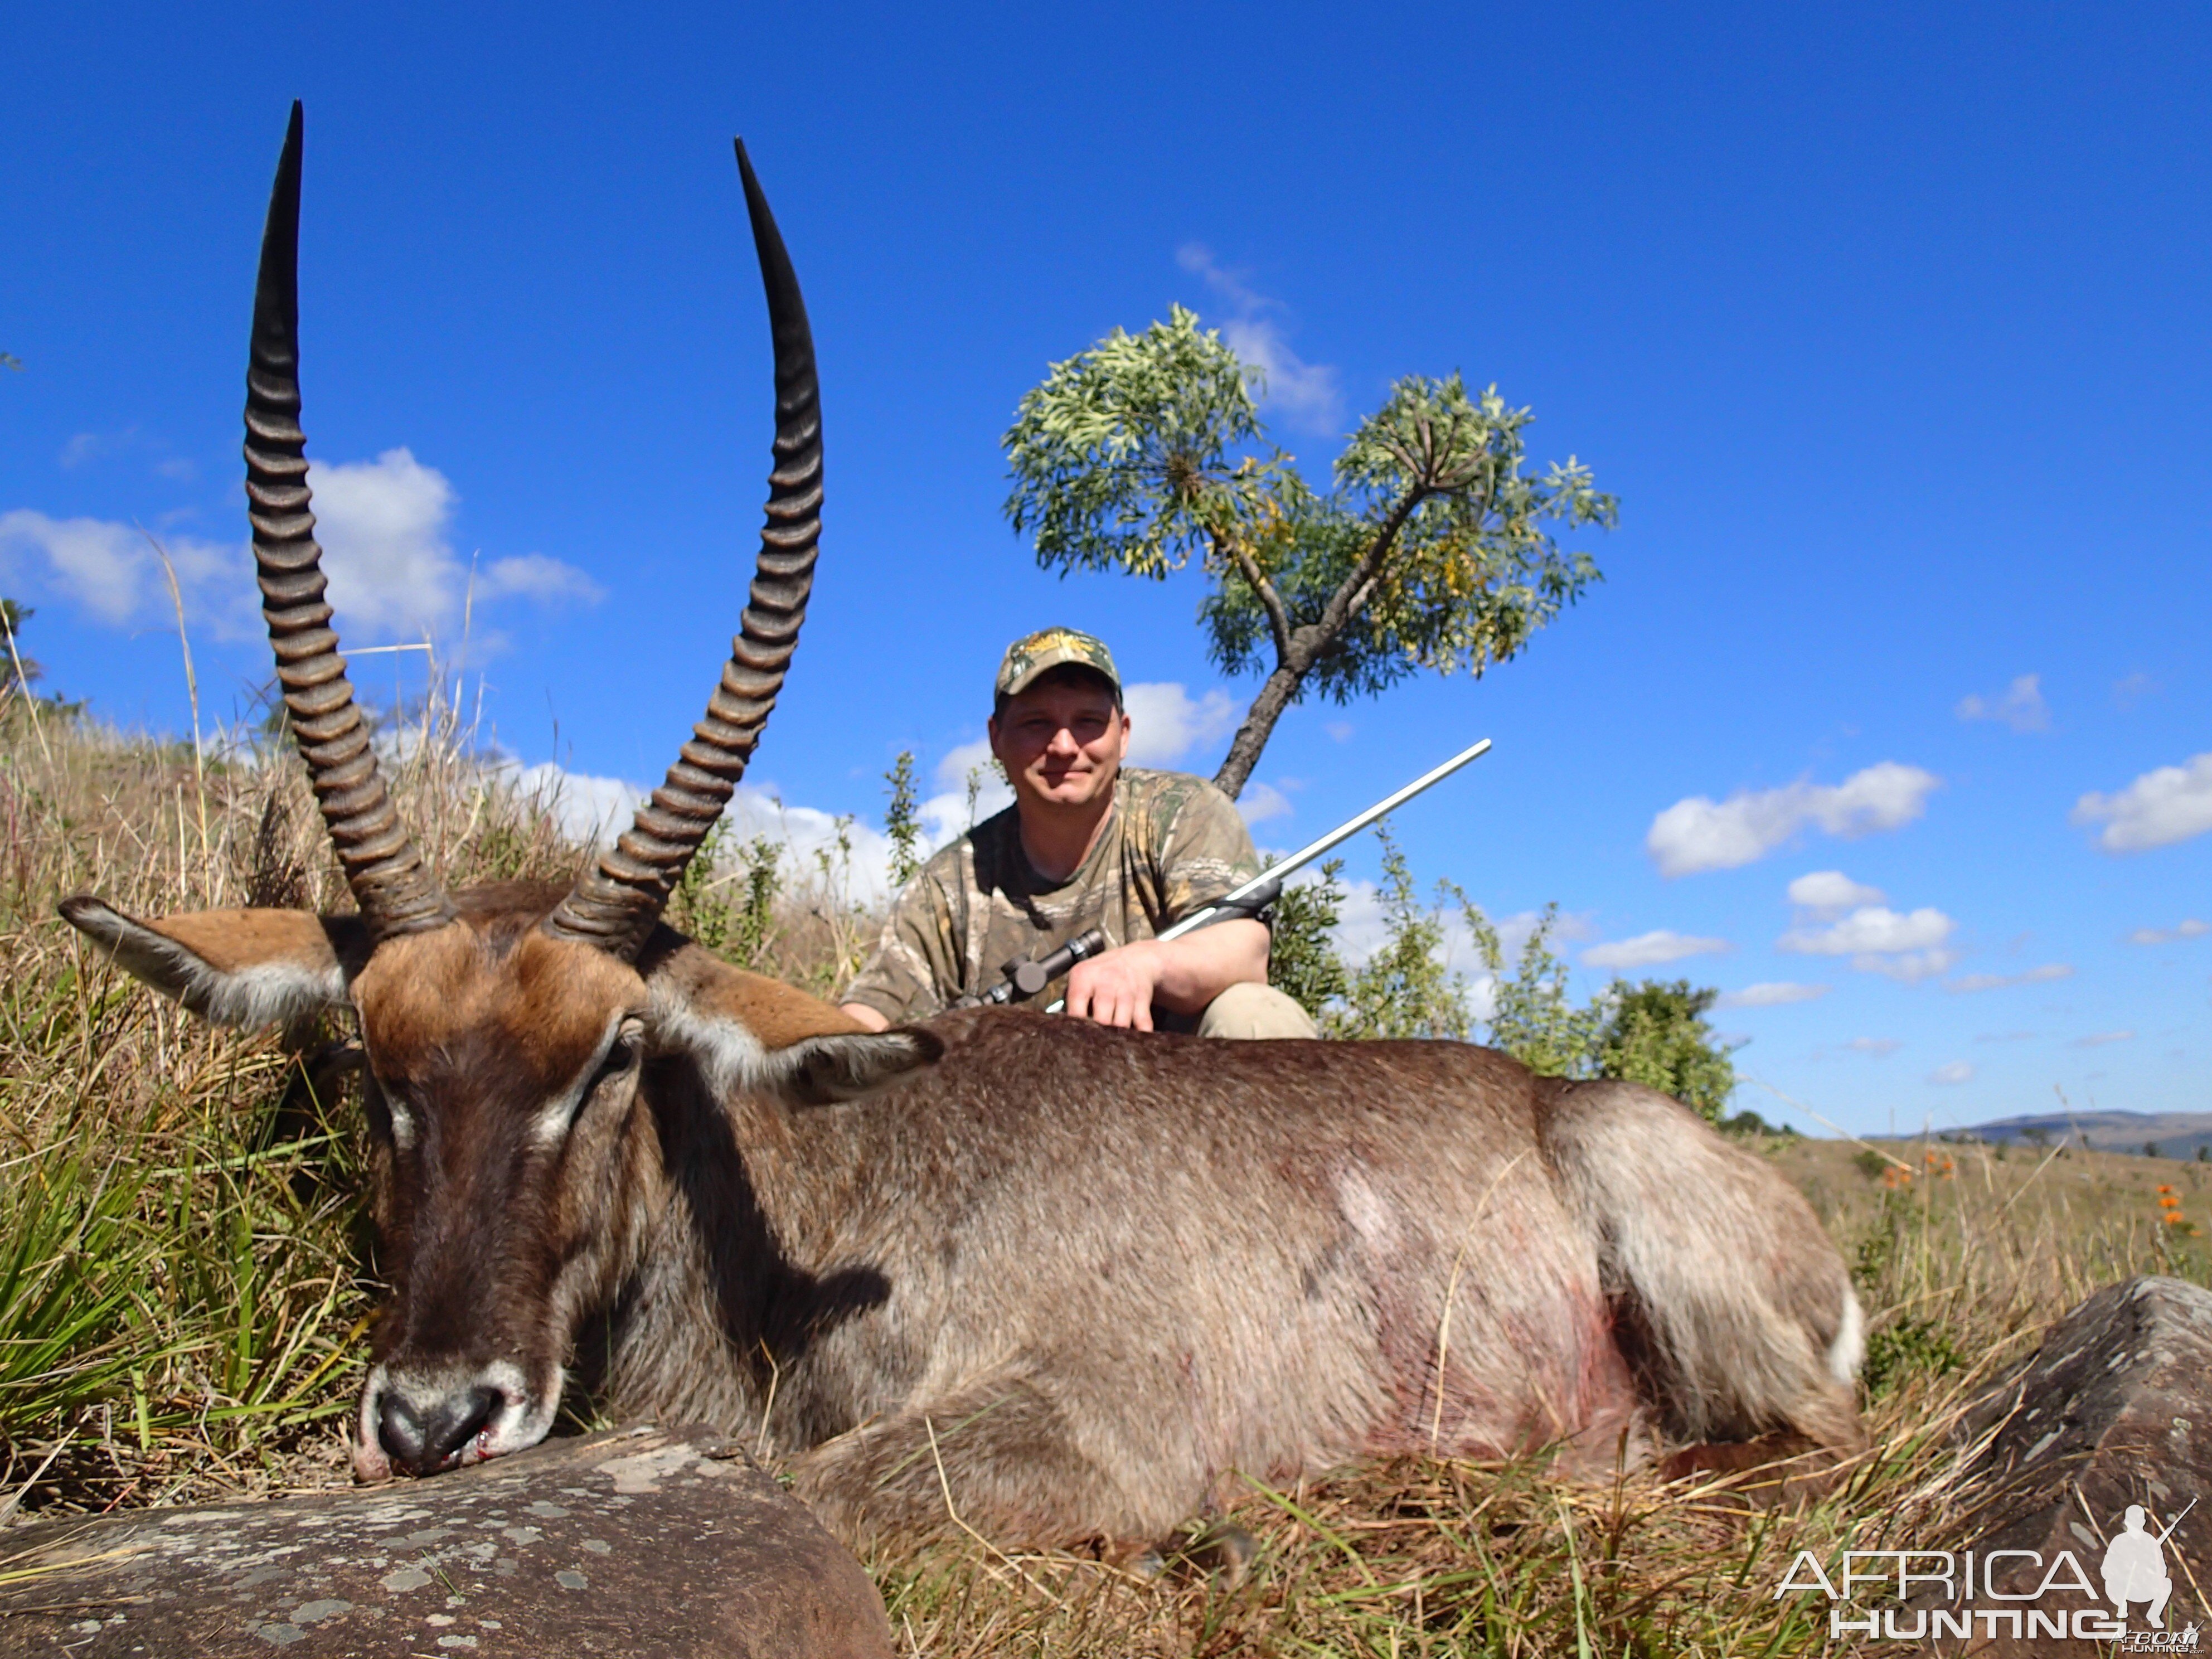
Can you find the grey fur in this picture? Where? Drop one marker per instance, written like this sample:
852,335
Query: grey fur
1069,1281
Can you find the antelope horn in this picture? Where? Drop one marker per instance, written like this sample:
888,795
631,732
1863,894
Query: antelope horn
394,891
616,905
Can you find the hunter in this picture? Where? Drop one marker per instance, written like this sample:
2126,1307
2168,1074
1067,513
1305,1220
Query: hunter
1088,842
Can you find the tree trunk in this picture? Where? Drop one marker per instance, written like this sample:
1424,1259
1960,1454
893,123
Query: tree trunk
1259,724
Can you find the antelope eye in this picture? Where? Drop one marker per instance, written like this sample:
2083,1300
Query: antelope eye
622,1054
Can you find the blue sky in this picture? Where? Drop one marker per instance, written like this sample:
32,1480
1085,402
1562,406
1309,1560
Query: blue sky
1888,326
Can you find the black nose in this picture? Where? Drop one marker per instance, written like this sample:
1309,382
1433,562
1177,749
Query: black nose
421,1440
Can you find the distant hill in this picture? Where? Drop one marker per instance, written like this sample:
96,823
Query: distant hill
2176,1134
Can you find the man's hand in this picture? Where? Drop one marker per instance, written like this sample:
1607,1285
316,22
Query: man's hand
1115,987
1119,986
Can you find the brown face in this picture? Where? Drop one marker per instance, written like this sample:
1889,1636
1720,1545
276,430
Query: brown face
503,1082
507,1102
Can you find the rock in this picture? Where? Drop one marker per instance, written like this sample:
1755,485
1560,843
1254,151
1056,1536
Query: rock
2115,1409
632,1543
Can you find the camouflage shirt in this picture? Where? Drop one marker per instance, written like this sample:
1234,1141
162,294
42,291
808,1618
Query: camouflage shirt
1171,845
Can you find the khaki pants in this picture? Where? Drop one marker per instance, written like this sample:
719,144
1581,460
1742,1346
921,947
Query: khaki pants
1255,1010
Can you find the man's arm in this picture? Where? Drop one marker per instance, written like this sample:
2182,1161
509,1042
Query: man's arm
1121,987
906,975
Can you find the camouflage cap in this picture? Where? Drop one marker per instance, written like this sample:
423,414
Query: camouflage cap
1033,654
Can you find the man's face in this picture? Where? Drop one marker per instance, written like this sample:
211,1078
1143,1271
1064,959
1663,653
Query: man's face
1061,740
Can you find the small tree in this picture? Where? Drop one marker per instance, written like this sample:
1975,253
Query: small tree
1302,962
1428,553
1405,988
903,820
1532,1017
1656,1033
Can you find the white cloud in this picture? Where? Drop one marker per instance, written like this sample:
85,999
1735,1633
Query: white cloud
949,812
2022,708
2098,1040
586,808
1262,801
85,446
1880,1048
382,525
534,576
1166,723
1306,393
1871,928
1831,892
2127,692
1772,994
2170,804
111,571
1910,967
1339,731
2042,975
1880,940
1952,1072
2192,928
1646,950
1701,833
598,808
960,760
393,572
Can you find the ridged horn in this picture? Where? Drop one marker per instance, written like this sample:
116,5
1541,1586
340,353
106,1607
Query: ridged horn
615,905
394,891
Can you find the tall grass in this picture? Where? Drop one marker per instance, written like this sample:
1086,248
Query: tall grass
186,1282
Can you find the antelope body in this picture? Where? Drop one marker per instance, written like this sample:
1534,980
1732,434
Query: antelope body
1057,1281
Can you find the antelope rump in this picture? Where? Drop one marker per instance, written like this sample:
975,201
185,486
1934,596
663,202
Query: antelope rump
1063,1280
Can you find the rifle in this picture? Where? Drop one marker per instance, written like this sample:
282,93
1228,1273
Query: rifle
2176,1521
1024,978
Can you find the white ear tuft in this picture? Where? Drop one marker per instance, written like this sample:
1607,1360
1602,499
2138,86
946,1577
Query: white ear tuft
244,967
820,1070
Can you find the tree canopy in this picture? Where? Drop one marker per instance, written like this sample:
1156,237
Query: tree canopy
1429,551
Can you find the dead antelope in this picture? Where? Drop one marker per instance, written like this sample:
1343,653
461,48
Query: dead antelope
1061,1281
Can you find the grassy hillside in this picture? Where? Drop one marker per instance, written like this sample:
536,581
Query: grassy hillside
186,1285
2159,1134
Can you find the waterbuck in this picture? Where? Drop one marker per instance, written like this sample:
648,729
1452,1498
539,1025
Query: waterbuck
1062,1282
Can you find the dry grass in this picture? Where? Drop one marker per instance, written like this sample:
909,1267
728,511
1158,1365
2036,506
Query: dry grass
185,1283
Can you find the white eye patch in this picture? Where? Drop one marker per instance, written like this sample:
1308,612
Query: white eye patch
549,1127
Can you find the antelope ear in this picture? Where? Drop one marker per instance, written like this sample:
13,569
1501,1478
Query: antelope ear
748,1032
249,967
